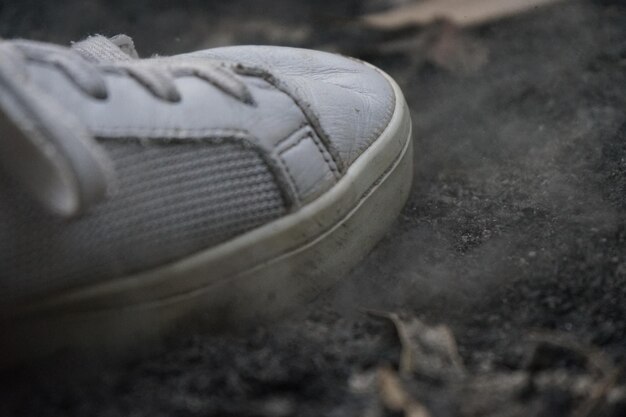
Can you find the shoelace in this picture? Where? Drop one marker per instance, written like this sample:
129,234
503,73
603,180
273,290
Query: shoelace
87,62
50,151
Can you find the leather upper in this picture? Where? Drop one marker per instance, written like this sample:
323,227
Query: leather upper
312,113
351,99
161,158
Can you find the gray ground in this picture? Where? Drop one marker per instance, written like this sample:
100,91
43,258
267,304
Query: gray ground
514,237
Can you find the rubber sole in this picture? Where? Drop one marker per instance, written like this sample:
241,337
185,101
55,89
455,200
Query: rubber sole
257,276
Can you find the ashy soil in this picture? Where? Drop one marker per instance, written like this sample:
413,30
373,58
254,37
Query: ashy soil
501,290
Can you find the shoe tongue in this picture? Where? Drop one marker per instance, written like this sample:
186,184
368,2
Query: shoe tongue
100,49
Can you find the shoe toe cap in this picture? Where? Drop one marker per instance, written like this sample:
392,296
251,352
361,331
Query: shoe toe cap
352,101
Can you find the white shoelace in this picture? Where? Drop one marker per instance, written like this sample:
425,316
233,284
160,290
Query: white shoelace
50,151
156,75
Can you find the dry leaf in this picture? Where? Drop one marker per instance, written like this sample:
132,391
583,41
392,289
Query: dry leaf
461,12
428,350
395,398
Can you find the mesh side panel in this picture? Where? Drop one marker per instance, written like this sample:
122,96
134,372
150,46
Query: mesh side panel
174,199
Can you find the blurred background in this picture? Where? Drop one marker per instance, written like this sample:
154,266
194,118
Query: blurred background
167,26
512,246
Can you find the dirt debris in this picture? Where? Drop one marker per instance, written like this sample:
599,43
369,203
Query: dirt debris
516,223
429,352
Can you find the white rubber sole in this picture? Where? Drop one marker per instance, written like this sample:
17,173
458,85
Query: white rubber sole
256,276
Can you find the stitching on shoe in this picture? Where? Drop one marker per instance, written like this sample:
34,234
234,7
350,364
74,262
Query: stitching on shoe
292,180
309,132
294,144
166,132
313,120
279,158
327,157
306,133
289,135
